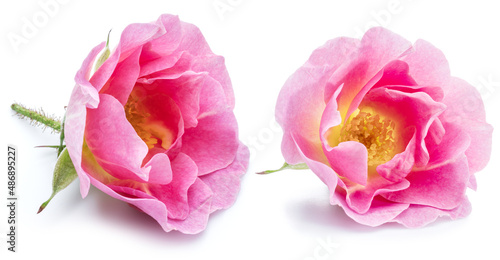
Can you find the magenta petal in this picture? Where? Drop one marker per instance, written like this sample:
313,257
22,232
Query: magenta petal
151,206
380,212
378,47
160,171
167,42
217,132
175,194
200,203
108,127
84,95
412,111
184,90
131,39
350,160
124,78
418,216
225,183
442,186
394,73
216,69
360,199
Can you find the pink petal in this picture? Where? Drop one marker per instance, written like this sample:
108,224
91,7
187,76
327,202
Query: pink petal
124,78
301,101
418,216
166,41
217,132
394,73
215,66
225,183
411,111
428,65
320,167
132,38
107,127
379,46
151,206
200,202
84,95
175,194
380,212
442,186
360,198
350,160
465,108
400,165
184,90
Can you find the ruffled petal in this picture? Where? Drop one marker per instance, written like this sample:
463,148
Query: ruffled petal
213,143
418,216
84,95
466,109
301,101
380,212
225,183
175,194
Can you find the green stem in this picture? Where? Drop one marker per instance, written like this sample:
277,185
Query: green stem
37,117
286,166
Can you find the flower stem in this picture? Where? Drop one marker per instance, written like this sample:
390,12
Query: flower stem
37,117
286,166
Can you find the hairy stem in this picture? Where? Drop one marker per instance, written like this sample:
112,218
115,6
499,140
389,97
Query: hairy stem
37,117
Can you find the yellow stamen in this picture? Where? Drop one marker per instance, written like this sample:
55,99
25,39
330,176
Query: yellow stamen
137,116
374,132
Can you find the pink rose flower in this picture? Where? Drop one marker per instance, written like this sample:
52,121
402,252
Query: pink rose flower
154,125
383,124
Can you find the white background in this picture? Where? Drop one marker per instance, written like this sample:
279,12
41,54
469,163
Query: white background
281,216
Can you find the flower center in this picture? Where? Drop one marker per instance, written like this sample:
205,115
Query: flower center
137,116
375,133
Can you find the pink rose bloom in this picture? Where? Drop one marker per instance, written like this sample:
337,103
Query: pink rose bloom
154,125
383,124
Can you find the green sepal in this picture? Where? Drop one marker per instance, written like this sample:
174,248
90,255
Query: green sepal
64,174
104,56
286,166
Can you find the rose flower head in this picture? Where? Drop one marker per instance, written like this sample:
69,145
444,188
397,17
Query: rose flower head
154,125
385,126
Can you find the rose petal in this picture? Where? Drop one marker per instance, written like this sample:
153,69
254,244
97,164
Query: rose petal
360,198
465,108
320,167
84,95
380,212
217,132
107,127
133,37
200,202
442,186
225,183
379,46
175,194
411,111
418,216
400,165
350,160
124,78
184,90
301,101
428,65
